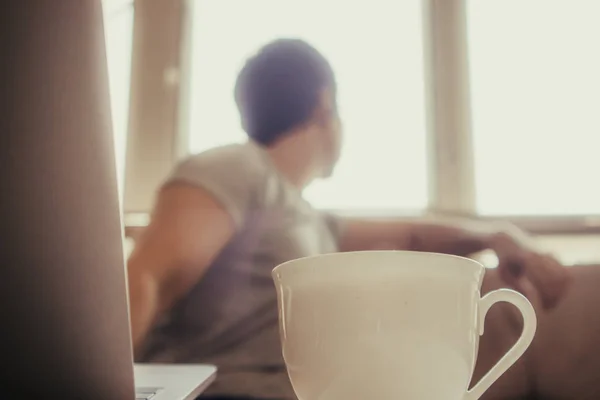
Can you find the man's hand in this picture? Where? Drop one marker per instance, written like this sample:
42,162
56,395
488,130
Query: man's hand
525,269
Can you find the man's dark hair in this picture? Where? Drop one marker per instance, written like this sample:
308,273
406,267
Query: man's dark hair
279,88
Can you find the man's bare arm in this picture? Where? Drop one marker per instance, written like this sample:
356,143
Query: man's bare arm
187,231
457,239
521,265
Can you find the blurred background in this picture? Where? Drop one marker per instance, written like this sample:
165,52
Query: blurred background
481,109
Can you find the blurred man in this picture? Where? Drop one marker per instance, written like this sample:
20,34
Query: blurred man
200,283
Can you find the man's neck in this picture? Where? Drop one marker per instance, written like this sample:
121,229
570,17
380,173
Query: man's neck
294,159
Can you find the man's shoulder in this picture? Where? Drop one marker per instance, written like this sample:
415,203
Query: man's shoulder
233,161
236,154
234,175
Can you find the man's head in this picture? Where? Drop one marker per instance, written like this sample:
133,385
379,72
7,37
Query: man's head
288,88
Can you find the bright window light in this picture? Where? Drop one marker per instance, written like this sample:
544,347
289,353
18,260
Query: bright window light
535,67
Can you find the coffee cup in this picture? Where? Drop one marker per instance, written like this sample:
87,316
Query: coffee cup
394,325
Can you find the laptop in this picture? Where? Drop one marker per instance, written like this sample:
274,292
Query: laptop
64,323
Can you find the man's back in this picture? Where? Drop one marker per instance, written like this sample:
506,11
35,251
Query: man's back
229,318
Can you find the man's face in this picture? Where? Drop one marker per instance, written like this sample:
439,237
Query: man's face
331,134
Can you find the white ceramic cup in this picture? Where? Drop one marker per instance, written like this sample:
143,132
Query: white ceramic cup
388,325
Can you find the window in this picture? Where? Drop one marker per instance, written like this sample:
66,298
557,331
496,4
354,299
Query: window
375,49
535,67
118,30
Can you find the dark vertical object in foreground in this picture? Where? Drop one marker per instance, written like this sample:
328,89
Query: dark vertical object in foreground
63,309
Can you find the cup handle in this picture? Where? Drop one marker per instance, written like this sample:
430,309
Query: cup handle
529,327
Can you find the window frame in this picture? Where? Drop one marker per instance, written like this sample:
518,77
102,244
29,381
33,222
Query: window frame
115,9
451,172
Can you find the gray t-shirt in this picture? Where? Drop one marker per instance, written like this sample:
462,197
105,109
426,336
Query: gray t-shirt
230,316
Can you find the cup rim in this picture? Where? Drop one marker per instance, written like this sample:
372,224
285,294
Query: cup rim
299,262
